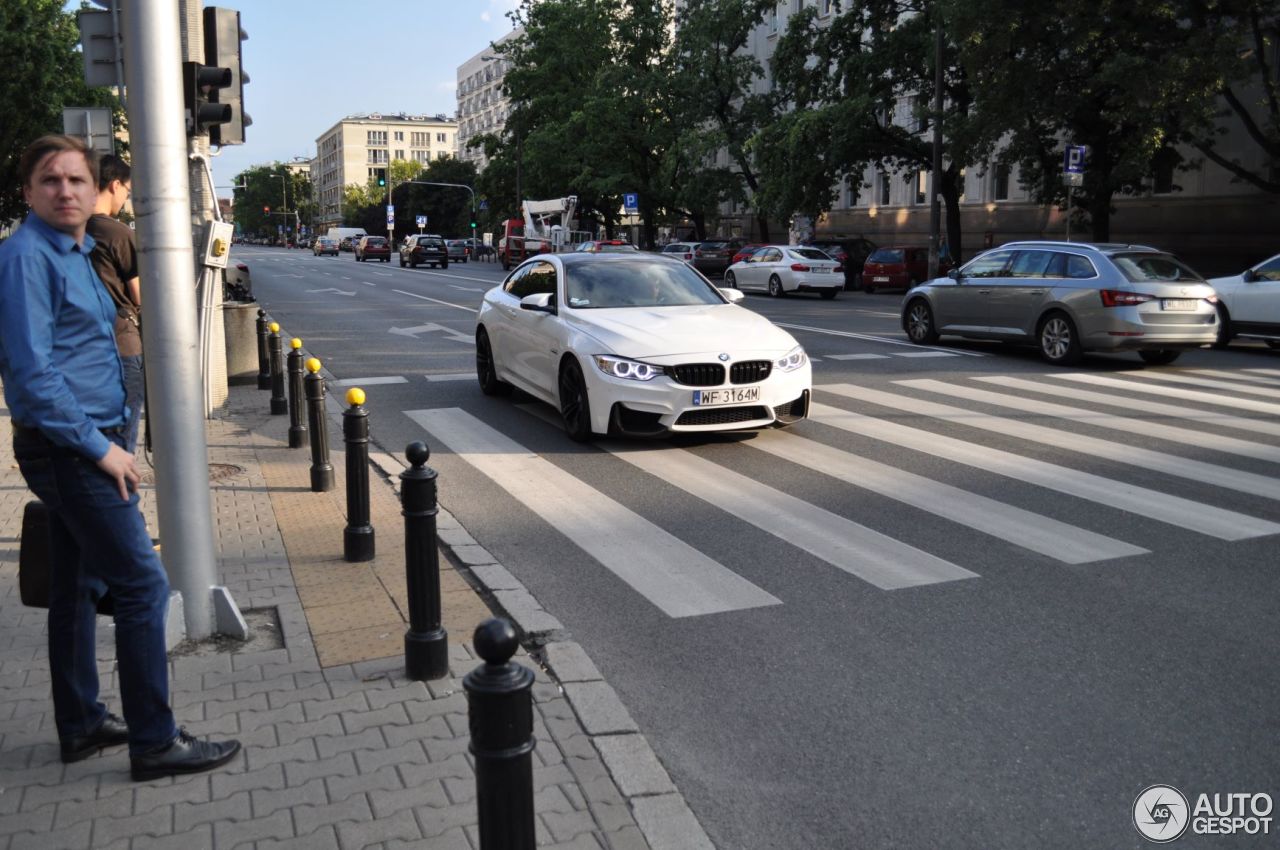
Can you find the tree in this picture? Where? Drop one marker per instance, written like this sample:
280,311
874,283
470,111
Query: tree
714,86
1247,34
44,72
284,191
1128,79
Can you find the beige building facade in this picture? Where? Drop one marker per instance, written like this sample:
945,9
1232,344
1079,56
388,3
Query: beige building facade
358,147
482,106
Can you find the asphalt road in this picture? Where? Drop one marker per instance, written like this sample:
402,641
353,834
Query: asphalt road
940,613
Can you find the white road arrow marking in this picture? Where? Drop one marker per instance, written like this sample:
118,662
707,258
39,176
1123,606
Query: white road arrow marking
456,336
351,294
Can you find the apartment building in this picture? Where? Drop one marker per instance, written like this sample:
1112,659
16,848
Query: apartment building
482,106
358,147
1217,224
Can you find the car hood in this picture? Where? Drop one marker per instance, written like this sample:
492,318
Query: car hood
655,332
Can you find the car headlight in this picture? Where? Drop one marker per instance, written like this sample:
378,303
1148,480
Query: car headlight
794,359
621,367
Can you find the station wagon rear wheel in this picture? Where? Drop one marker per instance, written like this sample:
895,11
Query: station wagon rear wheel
1059,341
919,323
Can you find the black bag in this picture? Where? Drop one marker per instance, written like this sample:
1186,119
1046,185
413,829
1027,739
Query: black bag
33,561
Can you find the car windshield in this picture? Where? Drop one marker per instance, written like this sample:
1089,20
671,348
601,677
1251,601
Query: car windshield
643,283
1145,268
886,255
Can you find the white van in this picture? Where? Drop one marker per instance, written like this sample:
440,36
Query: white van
346,237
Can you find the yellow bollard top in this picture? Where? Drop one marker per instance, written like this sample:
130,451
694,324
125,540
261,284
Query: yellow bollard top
275,327
355,396
313,365
295,343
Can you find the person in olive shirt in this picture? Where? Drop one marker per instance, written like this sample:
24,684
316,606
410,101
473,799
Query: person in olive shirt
64,387
115,259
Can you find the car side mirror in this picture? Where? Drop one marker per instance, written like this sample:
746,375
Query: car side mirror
733,296
539,302
1249,276
954,274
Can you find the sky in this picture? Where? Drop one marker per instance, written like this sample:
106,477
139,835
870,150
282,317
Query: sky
311,63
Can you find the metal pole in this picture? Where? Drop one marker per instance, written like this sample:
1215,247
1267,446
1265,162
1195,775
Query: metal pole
500,714
935,175
1070,189
357,537
297,423
175,389
321,469
426,643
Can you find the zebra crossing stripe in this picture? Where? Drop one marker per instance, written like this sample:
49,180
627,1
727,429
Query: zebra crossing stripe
1171,392
1194,470
1138,405
1236,376
1231,386
677,578
1171,433
1185,513
1066,543
881,560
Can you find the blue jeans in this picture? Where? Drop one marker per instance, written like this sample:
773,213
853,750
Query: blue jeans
135,389
98,543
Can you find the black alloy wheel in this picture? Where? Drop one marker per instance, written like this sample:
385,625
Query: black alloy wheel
575,407
486,372
1159,357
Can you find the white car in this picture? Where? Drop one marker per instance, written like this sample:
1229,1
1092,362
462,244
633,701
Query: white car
1249,304
779,269
637,344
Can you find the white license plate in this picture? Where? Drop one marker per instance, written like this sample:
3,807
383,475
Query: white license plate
1184,305
879,280
820,270
733,395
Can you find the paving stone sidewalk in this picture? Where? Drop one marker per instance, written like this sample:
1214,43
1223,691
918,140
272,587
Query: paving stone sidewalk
340,750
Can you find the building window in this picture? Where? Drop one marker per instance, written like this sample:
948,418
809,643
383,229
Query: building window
1000,182
440,137
1163,166
883,179
922,186
377,137
420,140
825,7
773,21
853,191
399,135
399,154
377,156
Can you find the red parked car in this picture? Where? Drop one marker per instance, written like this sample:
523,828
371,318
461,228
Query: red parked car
746,251
899,267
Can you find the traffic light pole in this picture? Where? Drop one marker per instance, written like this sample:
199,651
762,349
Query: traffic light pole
162,206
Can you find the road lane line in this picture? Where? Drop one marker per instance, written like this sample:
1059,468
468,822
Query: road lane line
874,338
1131,404
678,579
1195,516
876,558
924,354
1170,392
1143,428
369,382
1193,470
1045,535
437,301
452,376
856,357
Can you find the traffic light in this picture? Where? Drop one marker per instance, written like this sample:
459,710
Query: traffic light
382,177
266,210
473,224
199,82
222,40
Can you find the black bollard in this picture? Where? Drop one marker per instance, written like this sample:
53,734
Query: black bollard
426,643
297,424
357,537
279,404
264,362
500,713
321,469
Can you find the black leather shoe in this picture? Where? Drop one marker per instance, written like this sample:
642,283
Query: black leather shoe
185,755
111,733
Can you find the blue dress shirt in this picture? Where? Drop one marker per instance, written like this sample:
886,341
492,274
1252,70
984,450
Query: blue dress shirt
58,356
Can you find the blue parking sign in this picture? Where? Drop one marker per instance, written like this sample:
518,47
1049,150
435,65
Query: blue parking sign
631,201
1073,159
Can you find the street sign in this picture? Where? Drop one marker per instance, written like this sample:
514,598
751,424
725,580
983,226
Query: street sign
484,204
630,201
1073,159
90,124
391,214
103,63
1073,178
422,221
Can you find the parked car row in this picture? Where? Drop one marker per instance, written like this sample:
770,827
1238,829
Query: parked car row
1067,298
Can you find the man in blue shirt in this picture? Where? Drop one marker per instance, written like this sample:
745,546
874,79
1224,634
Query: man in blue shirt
64,386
